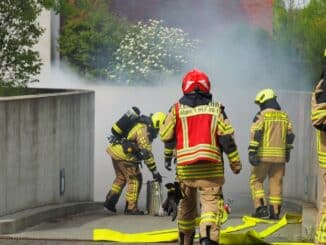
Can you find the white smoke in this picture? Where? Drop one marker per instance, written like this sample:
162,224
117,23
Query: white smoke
232,59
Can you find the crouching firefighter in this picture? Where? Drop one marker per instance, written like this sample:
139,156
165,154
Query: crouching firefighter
318,118
271,140
129,145
200,129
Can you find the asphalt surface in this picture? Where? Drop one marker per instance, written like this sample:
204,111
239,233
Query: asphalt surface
78,229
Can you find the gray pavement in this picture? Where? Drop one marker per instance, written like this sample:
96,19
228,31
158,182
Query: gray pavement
78,228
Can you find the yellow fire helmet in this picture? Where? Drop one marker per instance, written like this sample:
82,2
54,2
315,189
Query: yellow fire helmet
158,119
264,95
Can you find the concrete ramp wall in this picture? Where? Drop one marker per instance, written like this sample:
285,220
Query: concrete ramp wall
302,172
40,136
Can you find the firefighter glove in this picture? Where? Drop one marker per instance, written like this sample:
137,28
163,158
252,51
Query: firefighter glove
253,159
167,163
157,176
128,146
236,168
170,205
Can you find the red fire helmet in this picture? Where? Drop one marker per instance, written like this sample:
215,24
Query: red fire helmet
195,79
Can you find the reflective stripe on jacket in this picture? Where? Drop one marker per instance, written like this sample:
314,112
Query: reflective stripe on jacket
268,135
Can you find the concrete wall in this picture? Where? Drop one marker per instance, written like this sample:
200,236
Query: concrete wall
302,171
40,135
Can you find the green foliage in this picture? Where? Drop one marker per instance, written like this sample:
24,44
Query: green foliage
19,32
150,50
90,35
301,32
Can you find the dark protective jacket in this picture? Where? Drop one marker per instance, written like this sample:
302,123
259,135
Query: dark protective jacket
318,118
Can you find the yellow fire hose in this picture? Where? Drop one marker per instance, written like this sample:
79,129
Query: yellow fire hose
171,235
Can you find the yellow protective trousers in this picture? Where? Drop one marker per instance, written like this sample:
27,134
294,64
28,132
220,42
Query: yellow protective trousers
127,173
211,209
275,173
320,237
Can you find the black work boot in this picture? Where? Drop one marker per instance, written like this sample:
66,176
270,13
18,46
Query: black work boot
274,214
185,239
134,211
206,241
111,201
261,212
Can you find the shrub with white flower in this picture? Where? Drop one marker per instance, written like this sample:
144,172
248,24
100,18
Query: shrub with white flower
150,50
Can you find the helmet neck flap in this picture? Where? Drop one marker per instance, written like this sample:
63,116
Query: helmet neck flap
196,98
270,104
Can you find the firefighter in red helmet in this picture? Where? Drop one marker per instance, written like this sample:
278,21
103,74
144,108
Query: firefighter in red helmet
201,131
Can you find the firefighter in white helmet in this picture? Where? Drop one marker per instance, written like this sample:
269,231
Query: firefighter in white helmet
271,140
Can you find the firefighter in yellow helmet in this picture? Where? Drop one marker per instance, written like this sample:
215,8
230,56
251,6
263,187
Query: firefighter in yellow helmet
318,118
200,129
128,147
271,140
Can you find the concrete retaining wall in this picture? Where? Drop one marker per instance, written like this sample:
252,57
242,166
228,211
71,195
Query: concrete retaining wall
41,135
302,172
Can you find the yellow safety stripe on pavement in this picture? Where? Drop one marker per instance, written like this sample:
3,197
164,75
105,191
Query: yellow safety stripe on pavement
171,235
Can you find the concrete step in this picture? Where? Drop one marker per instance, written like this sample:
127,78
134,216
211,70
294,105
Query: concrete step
21,220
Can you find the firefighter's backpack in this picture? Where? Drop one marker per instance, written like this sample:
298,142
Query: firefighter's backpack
128,120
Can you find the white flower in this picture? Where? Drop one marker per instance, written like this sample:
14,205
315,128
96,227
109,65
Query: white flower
147,47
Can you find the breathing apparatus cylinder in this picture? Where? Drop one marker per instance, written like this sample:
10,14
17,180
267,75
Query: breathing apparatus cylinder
122,127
